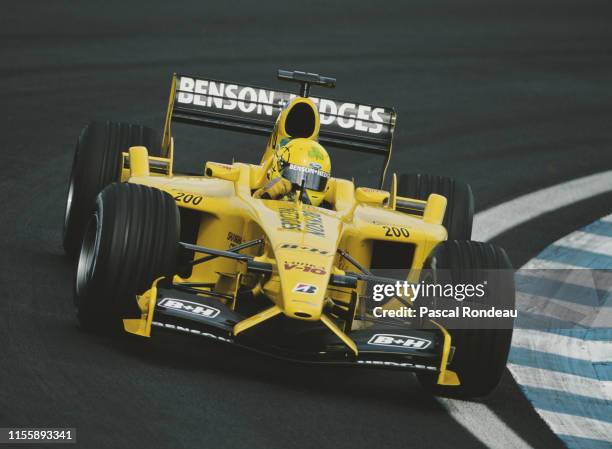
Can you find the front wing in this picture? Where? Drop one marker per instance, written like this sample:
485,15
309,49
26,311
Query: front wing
377,346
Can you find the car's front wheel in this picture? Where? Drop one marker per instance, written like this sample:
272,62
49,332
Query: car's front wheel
131,239
481,345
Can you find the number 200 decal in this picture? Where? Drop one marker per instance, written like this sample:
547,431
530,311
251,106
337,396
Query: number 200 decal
188,198
395,231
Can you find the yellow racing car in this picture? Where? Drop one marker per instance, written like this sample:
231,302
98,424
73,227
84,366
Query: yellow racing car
280,257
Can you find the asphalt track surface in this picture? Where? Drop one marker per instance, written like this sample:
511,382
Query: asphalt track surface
511,98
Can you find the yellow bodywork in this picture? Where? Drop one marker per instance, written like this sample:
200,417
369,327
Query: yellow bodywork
300,241
293,233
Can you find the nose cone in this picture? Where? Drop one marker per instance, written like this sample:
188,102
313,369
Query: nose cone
304,280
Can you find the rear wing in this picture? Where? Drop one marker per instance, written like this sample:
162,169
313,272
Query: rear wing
253,109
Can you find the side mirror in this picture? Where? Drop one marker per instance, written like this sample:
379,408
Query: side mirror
371,196
222,171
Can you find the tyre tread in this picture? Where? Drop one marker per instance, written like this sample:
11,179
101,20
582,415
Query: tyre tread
140,228
481,354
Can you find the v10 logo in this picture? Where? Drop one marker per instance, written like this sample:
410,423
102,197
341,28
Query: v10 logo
307,289
306,268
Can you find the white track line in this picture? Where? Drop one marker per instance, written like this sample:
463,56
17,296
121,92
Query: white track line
541,264
554,380
577,426
576,348
484,424
580,314
600,279
588,242
498,219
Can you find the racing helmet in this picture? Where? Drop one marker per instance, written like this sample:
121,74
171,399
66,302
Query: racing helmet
304,162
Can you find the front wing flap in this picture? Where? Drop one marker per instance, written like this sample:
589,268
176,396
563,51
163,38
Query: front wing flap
377,347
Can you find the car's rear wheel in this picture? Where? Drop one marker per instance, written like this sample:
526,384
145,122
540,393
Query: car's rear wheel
460,206
131,239
481,345
96,163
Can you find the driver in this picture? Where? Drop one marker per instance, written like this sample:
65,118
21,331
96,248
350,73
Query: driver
301,165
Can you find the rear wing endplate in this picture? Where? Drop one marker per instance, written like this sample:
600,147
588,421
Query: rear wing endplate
253,109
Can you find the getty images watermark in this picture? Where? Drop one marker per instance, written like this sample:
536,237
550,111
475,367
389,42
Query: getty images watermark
467,304
533,298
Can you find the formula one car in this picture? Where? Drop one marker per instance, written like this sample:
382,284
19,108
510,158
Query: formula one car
200,254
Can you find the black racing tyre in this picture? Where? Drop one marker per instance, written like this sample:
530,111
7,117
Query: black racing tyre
459,209
131,240
481,349
96,164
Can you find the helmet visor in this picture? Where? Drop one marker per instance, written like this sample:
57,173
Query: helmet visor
312,178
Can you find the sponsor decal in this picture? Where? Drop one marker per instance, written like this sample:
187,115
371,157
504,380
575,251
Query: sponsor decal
191,331
315,165
234,238
399,341
305,267
307,289
188,198
313,223
396,231
252,100
311,170
308,221
407,365
305,248
190,307
290,219
227,96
